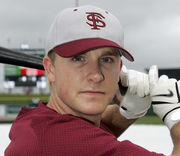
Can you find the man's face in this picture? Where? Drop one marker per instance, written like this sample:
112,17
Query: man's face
86,84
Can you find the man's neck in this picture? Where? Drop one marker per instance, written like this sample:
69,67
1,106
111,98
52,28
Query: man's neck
60,108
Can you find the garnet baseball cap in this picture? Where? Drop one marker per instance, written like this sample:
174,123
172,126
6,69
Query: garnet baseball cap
80,29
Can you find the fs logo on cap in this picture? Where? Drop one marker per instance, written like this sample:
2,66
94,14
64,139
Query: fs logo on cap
95,20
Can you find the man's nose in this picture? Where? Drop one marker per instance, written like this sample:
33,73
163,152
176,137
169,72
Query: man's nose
95,73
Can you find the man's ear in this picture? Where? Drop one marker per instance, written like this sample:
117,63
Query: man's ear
49,68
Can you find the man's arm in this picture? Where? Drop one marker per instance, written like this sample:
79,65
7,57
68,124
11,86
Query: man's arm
175,134
116,122
165,96
133,98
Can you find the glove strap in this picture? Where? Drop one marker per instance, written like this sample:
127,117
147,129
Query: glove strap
172,118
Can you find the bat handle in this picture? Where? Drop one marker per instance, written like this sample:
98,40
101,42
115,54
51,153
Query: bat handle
122,89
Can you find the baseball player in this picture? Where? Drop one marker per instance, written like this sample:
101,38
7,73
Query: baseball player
84,67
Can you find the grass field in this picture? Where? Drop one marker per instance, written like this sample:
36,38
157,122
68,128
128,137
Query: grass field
17,99
149,120
21,99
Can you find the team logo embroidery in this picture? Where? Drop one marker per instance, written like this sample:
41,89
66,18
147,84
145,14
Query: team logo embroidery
95,20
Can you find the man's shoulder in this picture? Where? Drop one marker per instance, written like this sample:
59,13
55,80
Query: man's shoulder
65,134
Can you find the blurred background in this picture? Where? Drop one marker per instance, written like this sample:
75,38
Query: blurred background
151,31
152,35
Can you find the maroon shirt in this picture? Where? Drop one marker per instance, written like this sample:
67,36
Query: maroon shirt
43,132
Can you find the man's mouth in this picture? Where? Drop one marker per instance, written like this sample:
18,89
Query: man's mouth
93,93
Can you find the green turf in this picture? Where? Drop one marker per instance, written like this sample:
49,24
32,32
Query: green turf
17,99
21,99
149,120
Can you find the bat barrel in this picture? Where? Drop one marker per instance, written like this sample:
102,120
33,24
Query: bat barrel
17,58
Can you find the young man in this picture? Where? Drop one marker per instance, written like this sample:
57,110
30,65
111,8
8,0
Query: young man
83,63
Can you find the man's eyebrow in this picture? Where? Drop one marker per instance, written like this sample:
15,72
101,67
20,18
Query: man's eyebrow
112,53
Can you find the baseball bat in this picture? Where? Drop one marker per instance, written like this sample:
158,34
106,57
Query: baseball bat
12,57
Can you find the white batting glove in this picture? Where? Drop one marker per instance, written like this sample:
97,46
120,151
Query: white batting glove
166,100
136,101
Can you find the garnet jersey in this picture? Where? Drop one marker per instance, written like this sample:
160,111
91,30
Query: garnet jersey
43,132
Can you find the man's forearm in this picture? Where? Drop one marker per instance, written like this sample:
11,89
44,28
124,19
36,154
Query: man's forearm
115,121
175,134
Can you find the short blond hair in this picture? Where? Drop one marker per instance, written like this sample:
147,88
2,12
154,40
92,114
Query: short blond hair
52,55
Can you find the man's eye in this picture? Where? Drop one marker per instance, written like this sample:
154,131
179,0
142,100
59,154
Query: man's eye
78,58
107,59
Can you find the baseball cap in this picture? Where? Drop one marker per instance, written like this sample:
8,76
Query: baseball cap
80,29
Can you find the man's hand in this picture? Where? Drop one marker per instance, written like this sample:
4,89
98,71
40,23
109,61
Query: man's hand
136,101
166,100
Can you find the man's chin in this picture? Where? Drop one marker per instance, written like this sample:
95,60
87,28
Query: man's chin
94,110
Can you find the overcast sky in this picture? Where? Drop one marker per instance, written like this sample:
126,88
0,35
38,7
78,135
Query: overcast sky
151,27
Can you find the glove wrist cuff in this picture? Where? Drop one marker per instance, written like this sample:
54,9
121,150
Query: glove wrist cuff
129,115
172,118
